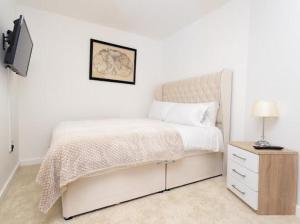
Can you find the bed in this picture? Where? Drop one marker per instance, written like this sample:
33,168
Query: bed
105,189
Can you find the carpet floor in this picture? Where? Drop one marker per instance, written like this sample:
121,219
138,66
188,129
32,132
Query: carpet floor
205,202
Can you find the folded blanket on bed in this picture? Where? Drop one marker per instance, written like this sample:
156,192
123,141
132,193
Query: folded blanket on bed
82,148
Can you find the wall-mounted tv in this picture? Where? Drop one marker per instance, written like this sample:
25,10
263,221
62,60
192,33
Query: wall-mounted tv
18,53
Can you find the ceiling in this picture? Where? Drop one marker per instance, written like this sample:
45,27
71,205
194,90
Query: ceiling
152,18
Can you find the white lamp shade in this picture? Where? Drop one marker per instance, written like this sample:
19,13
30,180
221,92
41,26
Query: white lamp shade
265,109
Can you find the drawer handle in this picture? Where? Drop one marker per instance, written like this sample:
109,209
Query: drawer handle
239,156
242,192
242,175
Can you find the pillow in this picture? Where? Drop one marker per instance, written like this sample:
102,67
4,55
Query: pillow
210,118
159,110
187,113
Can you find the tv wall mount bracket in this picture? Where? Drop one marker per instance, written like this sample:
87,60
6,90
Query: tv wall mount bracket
6,40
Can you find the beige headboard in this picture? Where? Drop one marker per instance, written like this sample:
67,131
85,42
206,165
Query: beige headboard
210,87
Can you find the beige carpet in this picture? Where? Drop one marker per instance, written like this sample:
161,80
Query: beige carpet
206,202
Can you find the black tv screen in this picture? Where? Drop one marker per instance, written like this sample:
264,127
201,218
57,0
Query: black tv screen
20,47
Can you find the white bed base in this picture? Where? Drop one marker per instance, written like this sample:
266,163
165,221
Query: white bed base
88,194
92,193
193,168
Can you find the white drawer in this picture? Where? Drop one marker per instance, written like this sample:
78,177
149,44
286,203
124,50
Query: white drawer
244,158
243,175
243,192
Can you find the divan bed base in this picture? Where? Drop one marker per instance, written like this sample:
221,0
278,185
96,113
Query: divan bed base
93,193
97,209
193,168
140,197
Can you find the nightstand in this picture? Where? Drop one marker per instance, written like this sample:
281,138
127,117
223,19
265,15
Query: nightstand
266,180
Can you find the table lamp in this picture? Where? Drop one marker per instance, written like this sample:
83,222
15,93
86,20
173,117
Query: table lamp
264,109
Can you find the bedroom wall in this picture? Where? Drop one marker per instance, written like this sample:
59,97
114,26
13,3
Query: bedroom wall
274,54
58,88
218,40
8,161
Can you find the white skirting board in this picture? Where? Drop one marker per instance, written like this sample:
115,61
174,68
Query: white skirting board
298,210
6,184
33,161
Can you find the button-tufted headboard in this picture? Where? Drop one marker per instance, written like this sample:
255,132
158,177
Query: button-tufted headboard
205,88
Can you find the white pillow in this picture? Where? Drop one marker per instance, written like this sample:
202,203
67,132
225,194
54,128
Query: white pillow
187,113
159,110
210,118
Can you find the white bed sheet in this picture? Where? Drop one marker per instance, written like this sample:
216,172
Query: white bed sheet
200,138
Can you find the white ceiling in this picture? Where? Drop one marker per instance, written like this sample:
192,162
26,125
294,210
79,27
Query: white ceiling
153,18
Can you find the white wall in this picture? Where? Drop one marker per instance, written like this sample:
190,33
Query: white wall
274,72
218,40
7,160
58,88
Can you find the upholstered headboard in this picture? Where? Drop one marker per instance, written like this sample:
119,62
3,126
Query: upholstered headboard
205,88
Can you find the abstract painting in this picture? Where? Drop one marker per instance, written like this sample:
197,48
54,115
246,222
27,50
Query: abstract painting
112,63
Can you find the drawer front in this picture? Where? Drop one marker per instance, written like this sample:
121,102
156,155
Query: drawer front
244,158
243,175
243,192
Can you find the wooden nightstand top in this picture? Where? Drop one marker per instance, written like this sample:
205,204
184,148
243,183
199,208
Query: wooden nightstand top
248,147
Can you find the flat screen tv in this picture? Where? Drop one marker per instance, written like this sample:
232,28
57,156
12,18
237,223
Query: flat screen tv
18,53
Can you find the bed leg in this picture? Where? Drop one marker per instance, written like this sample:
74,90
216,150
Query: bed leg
68,218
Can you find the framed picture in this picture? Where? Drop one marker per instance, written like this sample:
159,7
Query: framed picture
112,63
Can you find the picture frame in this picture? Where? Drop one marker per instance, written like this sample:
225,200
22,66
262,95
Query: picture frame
112,63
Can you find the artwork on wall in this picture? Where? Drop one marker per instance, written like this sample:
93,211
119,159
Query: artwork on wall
112,63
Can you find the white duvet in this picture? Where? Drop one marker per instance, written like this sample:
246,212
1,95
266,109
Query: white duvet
200,138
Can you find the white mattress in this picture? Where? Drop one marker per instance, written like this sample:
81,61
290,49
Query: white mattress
200,138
